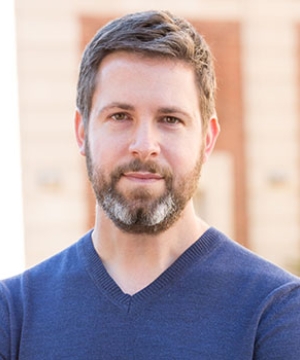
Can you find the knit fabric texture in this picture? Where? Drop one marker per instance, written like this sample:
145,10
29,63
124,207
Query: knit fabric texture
217,301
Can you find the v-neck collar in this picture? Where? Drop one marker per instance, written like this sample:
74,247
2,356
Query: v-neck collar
108,287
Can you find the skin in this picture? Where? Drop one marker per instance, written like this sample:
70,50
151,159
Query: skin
148,109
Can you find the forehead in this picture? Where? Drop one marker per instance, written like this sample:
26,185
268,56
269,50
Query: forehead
133,69
144,59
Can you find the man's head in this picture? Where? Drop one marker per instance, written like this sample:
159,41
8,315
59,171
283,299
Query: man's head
155,34
146,118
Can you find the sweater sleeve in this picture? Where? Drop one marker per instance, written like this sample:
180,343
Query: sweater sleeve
4,325
278,336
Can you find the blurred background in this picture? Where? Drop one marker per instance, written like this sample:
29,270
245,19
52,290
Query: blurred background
250,188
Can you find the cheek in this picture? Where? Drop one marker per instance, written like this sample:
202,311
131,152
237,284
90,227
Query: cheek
105,152
184,155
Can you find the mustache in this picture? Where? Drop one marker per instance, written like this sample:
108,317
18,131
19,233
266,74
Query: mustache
138,165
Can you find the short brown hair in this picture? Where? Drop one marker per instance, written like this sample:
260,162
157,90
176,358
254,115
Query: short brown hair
153,33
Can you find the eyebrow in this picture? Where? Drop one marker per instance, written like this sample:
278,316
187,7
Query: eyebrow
173,110
113,105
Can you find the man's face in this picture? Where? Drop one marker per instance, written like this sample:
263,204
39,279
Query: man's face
144,146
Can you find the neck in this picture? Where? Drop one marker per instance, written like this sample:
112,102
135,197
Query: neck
136,260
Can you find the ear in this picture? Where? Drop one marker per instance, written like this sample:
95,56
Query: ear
210,138
80,132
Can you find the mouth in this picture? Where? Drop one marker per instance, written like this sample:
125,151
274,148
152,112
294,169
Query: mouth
143,177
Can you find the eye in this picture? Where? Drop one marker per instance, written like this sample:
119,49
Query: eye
120,116
172,120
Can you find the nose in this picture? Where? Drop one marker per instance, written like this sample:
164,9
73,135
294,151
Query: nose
145,143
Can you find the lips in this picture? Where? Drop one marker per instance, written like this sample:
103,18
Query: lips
142,176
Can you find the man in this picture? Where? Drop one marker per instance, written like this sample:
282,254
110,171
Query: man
151,280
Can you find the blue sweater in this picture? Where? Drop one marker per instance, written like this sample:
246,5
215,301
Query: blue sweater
218,301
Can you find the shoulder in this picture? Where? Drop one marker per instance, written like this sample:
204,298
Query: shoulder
238,257
44,274
239,267
35,291
249,287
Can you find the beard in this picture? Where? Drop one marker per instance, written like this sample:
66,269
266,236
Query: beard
139,211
